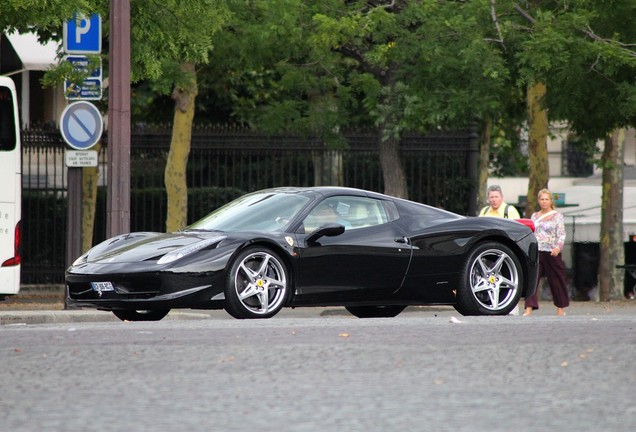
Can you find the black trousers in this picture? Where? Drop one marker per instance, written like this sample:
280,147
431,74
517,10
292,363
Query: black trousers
553,269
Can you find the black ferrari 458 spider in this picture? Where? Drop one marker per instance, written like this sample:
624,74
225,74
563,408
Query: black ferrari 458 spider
315,246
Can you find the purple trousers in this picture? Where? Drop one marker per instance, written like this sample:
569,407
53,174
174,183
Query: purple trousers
551,267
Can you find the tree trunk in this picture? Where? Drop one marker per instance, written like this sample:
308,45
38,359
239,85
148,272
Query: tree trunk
484,159
392,169
537,145
90,178
328,163
328,168
175,174
393,173
612,249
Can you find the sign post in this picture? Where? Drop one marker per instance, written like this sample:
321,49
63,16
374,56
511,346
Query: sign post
81,126
81,123
118,199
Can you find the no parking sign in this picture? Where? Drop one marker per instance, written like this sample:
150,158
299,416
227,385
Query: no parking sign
81,125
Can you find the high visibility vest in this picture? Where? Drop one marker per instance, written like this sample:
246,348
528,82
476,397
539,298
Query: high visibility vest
485,209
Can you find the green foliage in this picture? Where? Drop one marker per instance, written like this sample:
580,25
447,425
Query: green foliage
584,51
46,17
317,67
164,34
65,71
167,33
327,65
506,156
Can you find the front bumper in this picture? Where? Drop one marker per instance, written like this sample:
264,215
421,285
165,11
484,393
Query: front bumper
146,291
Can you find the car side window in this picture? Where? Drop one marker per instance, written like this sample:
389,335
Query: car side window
352,212
366,212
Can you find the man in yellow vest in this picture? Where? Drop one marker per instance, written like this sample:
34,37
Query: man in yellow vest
497,207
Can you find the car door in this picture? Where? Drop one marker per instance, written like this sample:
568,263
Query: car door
367,261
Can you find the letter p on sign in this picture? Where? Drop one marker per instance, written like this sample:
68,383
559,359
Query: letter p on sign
82,29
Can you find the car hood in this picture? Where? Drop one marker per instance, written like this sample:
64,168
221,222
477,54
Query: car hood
136,247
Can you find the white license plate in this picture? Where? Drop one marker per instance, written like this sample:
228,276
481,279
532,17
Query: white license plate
102,286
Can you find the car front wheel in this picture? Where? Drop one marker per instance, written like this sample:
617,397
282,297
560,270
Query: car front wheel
257,285
491,281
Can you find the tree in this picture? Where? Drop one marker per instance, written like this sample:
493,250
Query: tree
170,39
584,52
537,144
320,67
272,77
175,174
418,66
517,33
611,235
599,78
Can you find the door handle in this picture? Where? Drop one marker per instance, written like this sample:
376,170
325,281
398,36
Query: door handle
403,240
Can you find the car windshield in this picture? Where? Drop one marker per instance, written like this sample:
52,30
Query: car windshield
260,211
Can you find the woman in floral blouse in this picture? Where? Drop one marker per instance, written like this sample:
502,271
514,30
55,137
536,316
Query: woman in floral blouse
550,233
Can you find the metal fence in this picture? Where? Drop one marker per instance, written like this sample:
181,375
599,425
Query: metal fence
225,163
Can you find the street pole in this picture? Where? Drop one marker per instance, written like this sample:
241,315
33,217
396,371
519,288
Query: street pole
118,194
73,221
473,171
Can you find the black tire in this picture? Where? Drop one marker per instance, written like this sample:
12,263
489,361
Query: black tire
257,285
491,281
375,311
140,315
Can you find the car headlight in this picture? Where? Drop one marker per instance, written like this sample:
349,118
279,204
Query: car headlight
188,250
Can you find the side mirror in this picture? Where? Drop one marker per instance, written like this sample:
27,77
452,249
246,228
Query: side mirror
327,230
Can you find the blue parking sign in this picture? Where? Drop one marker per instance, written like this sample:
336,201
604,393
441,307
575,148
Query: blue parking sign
83,35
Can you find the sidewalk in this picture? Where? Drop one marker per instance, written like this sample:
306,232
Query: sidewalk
44,305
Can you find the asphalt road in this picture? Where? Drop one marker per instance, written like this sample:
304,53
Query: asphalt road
322,370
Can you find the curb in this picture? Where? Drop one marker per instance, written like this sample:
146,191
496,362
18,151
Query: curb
26,317
58,316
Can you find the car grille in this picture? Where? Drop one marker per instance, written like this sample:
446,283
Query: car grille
142,288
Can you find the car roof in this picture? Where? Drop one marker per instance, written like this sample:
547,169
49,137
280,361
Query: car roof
327,191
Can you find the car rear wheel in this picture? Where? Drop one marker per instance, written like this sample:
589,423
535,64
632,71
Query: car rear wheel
140,315
491,281
257,285
375,311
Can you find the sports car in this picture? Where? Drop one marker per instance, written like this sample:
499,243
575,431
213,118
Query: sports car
314,246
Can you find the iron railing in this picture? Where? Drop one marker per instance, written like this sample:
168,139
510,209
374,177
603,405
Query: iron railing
224,163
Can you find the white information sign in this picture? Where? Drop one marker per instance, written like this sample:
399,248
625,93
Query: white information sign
80,159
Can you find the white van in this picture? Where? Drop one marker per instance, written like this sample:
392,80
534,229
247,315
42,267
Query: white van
10,189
